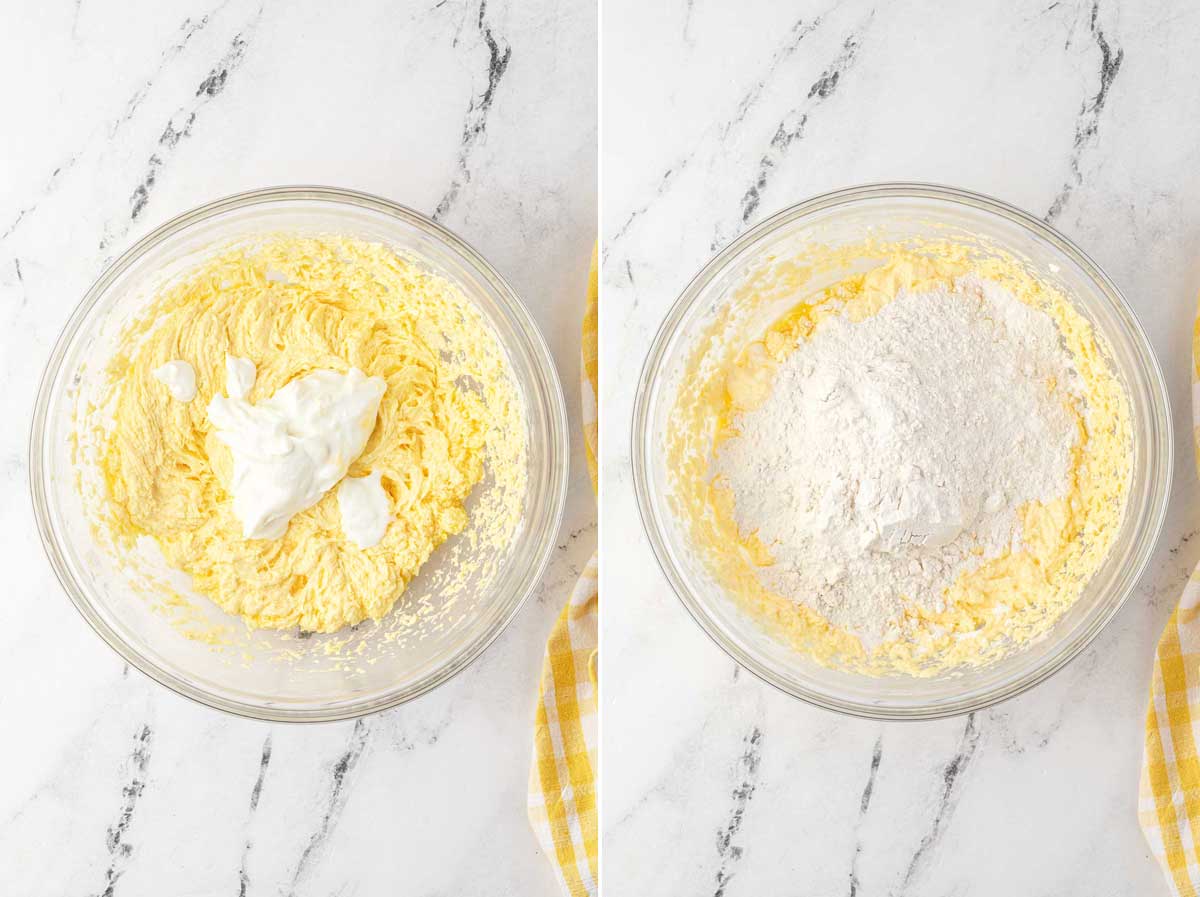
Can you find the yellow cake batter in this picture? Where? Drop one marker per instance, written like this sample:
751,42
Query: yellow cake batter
293,305
1005,602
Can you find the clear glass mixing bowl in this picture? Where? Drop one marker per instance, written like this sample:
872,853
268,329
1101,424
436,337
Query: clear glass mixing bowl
897,213
264,674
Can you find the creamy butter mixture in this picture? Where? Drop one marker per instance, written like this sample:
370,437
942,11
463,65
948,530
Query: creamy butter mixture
251,388
941,573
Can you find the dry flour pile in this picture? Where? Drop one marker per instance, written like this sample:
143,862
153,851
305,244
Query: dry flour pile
892,454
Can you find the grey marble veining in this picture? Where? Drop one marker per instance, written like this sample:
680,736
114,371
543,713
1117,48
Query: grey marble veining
120,116
715,784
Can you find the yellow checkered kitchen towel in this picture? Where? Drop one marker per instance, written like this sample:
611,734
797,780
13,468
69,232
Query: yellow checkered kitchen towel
1169,800
562,777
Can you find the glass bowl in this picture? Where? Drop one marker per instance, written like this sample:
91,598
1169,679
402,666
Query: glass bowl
261,673
897,213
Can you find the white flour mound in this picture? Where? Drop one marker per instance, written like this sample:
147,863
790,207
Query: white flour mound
891,450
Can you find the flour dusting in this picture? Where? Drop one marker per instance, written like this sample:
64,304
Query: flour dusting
894,453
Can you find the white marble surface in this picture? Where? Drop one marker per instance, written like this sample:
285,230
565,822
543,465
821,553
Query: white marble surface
714,783
119,116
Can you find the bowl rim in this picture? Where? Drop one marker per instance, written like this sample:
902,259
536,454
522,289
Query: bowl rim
640,442
556,412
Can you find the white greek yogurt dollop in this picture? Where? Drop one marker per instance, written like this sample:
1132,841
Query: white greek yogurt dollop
240,374
180,379
365,509
290,449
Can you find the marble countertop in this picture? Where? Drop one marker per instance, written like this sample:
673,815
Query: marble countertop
714,783
480,112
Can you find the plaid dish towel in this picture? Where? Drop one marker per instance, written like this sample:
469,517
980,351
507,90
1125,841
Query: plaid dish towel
562,777
1169,799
